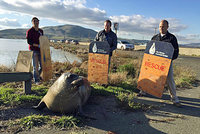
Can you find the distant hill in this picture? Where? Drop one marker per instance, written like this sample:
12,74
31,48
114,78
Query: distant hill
53,32
61,32
191,45
13,33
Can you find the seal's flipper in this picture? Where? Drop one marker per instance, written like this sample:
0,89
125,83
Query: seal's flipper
77,82
40,106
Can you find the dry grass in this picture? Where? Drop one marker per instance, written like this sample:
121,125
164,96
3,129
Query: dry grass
84,43
182,51
117,78
140,47
5,69
184,77
190,51
59,68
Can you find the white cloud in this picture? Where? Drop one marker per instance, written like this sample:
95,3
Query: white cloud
76,12
66,11
189,38
145,26
9,23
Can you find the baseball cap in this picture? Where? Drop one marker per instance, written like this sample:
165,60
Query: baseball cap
35,18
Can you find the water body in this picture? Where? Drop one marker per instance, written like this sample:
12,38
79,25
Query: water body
9,49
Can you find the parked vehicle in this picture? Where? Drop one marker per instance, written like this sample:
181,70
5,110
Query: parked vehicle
124,45
68,41
60,41
74,42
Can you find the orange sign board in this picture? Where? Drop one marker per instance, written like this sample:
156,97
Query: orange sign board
153,74
98,68
45,58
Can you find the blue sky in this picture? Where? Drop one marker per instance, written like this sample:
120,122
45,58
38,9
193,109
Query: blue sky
137,18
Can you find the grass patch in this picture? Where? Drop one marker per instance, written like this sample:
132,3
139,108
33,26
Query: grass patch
33,121
129,68
14,97
128,102
79,71
184,77
7,96
63,122
100,90
66,122
112,90
40,90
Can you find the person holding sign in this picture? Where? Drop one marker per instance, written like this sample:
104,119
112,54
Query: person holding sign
32,36
107,35
165,36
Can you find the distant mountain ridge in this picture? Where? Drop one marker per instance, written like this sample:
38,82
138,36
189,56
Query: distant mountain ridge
191,45
70,32
53,32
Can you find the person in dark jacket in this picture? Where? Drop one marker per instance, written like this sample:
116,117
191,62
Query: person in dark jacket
32,36
165,36
108,35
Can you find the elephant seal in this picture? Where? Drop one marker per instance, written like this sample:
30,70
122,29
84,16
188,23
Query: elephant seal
68,93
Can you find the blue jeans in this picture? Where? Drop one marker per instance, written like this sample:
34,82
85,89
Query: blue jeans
37,66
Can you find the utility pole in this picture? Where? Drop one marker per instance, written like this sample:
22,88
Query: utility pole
155,30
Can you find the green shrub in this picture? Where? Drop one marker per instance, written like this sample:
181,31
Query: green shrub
129,68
